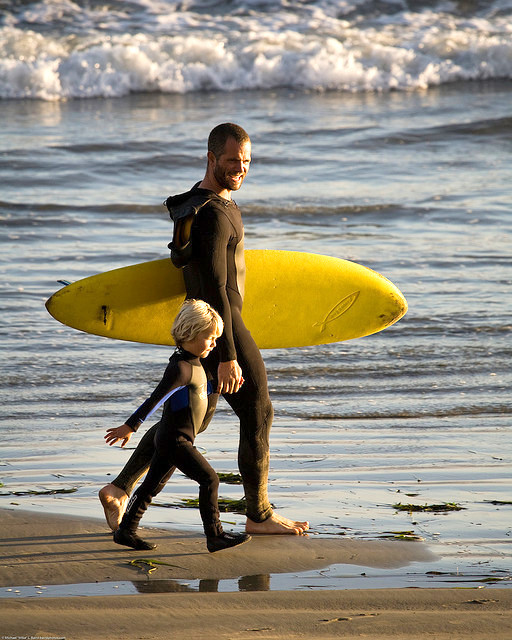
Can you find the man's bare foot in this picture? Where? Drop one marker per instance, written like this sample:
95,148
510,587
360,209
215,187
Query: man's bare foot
113,500
303,526
277,525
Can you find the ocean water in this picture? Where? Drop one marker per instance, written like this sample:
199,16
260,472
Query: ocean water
382,134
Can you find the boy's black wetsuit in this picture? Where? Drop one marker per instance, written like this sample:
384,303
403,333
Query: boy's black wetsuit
216,273
187,411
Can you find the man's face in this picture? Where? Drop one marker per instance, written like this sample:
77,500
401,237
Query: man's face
232,166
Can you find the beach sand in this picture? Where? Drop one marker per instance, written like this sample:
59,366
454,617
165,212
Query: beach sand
45,549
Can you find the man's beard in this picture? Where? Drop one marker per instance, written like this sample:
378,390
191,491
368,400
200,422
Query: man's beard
224,181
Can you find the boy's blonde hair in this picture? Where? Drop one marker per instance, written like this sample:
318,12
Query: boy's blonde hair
194,317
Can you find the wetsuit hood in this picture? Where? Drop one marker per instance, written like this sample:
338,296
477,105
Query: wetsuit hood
183,204
183,209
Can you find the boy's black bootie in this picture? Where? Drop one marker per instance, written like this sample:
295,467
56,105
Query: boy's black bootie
128,539
226,541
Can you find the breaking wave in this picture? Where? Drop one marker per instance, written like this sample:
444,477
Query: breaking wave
57,50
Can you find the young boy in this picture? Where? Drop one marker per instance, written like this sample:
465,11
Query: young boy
188,407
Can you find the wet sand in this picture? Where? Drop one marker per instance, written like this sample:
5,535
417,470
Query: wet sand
40,550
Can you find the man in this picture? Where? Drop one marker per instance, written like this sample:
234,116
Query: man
214,271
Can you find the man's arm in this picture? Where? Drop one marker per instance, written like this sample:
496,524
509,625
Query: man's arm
213,233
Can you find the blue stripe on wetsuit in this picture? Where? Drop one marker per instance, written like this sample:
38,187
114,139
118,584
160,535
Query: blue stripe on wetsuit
179,399
164,399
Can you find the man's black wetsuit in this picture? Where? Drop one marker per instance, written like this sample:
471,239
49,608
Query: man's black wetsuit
187,411
216,273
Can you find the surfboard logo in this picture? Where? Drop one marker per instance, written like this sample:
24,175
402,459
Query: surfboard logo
338,310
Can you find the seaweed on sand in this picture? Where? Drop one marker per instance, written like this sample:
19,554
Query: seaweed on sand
230,478
400,535
225,504
437,508
150,564
33,492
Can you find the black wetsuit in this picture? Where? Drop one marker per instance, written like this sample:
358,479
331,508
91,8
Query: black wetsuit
187,411
216,273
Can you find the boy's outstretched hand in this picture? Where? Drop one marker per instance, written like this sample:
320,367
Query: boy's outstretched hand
124,433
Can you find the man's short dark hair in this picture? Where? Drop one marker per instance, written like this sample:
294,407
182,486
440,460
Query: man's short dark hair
220,134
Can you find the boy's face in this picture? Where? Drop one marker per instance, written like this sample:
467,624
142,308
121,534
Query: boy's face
203,343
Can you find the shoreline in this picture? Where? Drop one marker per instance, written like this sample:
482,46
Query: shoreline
51,549
54,549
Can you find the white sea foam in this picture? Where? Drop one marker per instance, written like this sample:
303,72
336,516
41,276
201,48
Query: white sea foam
58,50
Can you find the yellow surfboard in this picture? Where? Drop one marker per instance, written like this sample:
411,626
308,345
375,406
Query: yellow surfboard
292,299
